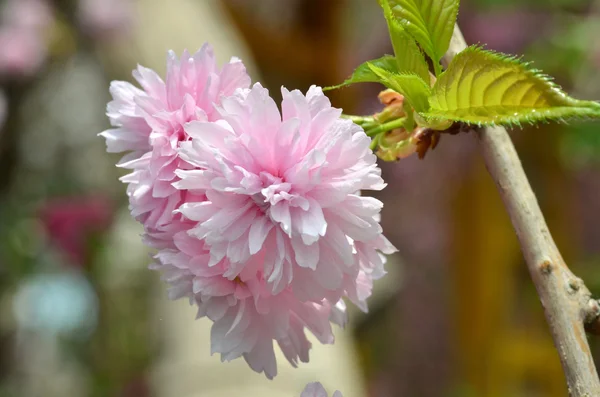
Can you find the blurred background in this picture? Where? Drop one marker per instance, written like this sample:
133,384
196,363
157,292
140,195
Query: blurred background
80,314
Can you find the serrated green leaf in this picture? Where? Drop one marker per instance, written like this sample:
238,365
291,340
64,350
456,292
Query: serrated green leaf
430,22
364,74
483,87
408,55
411,86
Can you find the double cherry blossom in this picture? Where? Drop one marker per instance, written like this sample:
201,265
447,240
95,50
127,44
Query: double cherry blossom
256,214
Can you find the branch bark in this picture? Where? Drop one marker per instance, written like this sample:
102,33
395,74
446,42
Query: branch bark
567,302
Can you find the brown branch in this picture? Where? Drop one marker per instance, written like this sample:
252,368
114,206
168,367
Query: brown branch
566,300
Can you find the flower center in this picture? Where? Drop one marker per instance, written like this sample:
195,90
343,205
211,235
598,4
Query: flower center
274,190
260,202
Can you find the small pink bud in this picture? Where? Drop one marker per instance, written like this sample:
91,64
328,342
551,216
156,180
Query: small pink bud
387,97
394,106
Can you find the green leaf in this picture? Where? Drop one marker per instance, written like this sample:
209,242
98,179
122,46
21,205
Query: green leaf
409,123
483,87
408,55
364,74
430,22
412,87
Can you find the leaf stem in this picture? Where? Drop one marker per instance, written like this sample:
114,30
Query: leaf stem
370,124
375,142
360,120
390,125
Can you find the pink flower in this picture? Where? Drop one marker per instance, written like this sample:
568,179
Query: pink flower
70,222
282,194
22,37
247,317
274,232
101,18
257,214
23,52
317,390
149,125
29,14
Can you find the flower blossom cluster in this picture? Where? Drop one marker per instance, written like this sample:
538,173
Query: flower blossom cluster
256,214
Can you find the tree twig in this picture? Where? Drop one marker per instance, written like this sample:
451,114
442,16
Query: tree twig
567,302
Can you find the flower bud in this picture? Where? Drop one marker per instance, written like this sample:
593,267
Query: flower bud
387,97
394,106
395,145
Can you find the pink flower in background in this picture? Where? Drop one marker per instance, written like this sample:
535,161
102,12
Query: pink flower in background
31,14
274,233
102,18
149,125
23,37
23,52
317,390
70,222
